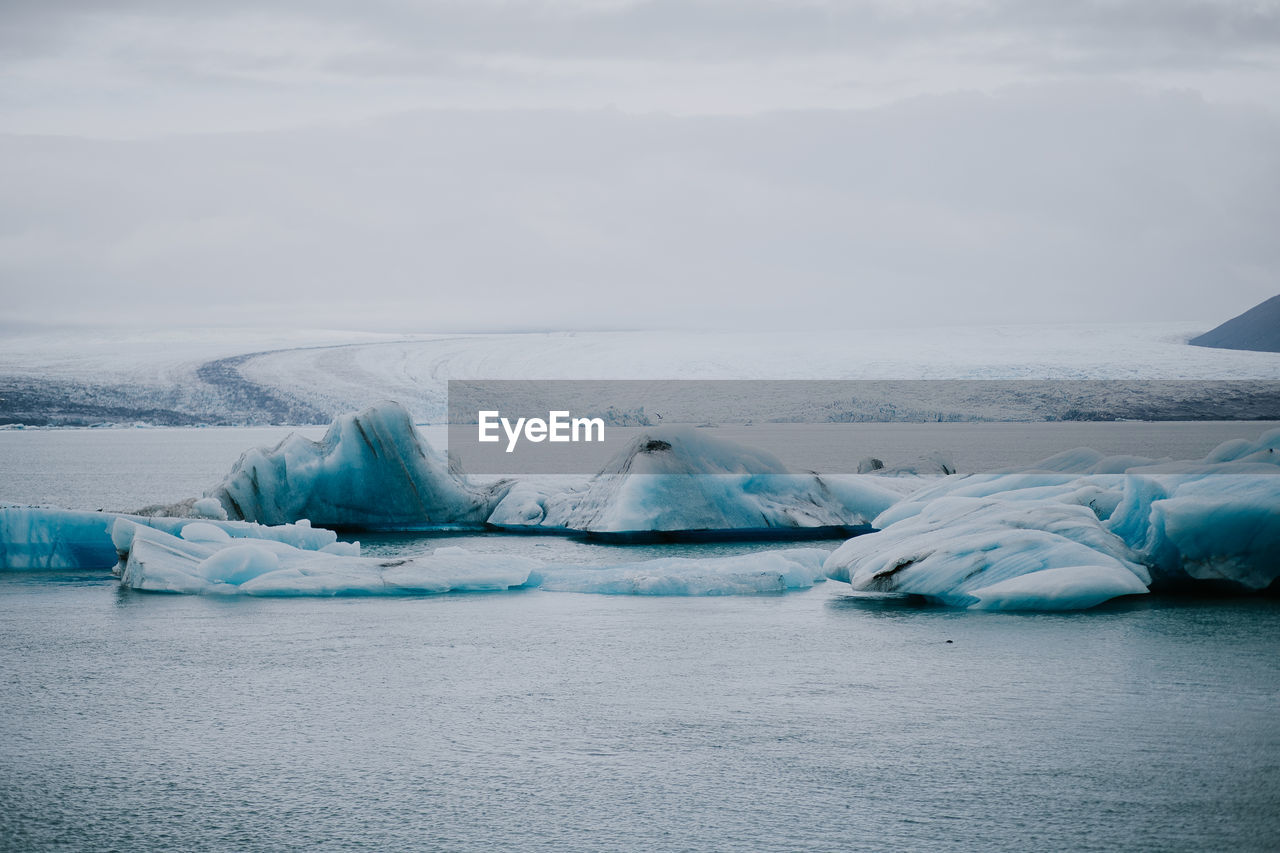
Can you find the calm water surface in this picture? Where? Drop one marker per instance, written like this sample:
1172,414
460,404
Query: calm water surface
533,720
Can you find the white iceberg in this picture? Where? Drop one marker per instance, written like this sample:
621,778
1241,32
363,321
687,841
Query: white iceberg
158,562
681,480
371,470
968,551
1077,529
742,574
1063,588
300,534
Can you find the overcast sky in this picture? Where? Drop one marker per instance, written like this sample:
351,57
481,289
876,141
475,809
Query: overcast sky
578,164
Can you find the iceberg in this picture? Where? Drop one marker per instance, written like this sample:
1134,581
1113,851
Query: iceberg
679,480
41,538
986,553
742,574
159,562
1203,527
1064,588
207,564
299,535
36,537
1078,529
371,470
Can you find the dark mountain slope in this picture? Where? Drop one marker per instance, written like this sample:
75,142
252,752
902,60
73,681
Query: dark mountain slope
1256,329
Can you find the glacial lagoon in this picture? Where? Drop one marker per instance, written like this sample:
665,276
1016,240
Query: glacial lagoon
817,719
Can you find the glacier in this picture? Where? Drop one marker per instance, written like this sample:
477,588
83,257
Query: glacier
41,537
1078,529
329,371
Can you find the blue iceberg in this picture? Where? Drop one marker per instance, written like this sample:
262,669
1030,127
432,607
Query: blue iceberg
371,471
683,481
1078,529
43,538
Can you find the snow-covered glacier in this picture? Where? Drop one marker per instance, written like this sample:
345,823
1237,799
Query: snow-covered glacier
202,376
372,470
1078,529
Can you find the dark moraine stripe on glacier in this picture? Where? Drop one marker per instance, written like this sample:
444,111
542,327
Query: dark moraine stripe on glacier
222,396
55,402
259,403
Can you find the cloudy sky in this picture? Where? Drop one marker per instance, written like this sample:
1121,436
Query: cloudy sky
613,164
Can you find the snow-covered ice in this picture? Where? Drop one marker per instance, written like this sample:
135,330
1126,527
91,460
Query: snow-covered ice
209,508
343,378
344,371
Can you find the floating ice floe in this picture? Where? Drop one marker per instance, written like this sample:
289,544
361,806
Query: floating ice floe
38,537
210,565
1078,529
159,562
371,470
681,480
742,574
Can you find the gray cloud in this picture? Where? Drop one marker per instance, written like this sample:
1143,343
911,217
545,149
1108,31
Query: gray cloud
571,163
1045,203
689,30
